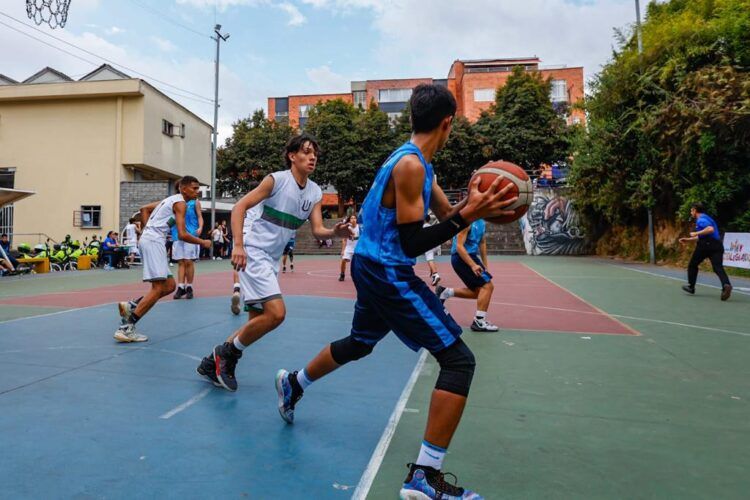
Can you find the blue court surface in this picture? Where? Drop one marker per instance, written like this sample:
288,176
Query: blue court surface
84,417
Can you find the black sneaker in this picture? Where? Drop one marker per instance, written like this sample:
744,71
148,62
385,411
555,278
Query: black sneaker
207,369
426,482
291,267
689,289
180,293
225,359
439,291
726,292
283,269
341,277
189,293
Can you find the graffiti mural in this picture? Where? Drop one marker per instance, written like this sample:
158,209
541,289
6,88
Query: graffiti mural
551,226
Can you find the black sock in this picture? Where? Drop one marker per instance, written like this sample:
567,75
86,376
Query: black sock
296,388
138,300
134,318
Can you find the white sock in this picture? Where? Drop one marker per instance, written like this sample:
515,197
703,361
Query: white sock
431,455
236,287
447,293
302,379
181,286
480,314
238,344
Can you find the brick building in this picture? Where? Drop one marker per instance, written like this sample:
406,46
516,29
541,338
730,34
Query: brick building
472,82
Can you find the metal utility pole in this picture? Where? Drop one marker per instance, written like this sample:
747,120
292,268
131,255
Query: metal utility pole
218,38
651,237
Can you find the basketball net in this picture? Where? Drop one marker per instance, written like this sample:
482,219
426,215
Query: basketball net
51,12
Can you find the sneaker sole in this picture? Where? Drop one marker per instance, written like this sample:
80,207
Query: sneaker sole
412,495
280,391
235,304
124,338
207,377
217,360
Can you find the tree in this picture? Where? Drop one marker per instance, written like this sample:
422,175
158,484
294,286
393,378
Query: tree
671,126
460,157
522,126
254,150
375,140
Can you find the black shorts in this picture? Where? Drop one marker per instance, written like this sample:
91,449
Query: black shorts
471,280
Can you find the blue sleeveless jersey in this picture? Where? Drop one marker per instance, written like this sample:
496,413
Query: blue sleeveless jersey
191,220
378,239
473,239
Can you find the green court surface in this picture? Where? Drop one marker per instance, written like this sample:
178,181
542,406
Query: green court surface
555,415
654,407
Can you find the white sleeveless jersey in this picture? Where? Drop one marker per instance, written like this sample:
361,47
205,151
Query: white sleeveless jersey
284,211
251,216
351,242
161,220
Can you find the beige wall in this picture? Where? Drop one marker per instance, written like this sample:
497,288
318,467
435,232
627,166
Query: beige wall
65,151
75,152
188,156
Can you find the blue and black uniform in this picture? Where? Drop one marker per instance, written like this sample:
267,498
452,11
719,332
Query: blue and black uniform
289,247
471,245
191,221
710,247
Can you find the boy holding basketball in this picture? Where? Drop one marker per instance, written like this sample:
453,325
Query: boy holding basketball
467,246
390,296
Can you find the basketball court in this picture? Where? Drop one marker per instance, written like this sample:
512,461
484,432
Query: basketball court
605,381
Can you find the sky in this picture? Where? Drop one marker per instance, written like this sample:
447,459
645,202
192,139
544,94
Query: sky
289,47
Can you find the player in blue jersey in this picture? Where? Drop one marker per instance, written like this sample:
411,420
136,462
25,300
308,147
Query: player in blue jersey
390,296
468,246
187,253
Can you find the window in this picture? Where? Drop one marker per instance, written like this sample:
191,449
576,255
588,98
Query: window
167,128
394,95
559,92
303,110
360,98
182,130
90,216
484,95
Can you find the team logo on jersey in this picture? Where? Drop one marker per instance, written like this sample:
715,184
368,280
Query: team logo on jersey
306,205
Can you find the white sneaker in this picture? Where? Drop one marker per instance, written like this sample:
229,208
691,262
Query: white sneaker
482,325
435,279
127,333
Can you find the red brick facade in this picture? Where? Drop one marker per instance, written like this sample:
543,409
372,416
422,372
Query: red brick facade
464,80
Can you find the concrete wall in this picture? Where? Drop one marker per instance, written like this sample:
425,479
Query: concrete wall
134,195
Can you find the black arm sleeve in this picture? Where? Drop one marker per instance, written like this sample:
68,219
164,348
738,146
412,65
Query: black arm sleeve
416,240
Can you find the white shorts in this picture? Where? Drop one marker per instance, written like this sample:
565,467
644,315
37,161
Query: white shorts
259,281
348,253
429,255
155,261
133,249
182,250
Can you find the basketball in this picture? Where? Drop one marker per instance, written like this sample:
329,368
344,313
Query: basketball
514,175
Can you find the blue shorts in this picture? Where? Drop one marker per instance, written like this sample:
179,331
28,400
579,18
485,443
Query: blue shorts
471,280
289,248
393,298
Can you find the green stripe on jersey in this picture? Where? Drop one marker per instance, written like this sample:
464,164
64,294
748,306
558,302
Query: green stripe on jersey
282,219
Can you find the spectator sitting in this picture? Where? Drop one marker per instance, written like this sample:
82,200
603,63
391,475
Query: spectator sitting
5,244
112,252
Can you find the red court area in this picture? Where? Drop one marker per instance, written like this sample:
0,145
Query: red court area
523,299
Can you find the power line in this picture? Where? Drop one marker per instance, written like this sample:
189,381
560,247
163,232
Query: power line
167,18
167,91
100,57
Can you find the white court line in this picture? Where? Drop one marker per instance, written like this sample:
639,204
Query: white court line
741,290
187,404
365,482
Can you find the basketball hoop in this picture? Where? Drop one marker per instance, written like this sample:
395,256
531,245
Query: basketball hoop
51,12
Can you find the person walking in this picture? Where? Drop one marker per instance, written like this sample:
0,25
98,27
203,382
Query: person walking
708,246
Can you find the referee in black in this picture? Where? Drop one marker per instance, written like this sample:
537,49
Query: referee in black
709,246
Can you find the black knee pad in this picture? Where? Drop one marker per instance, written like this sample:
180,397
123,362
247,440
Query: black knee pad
456,368
349,349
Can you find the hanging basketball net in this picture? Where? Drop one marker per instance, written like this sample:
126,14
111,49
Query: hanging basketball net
51,12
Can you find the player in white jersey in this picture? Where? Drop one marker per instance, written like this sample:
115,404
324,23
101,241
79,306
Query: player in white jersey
160,217
250,216
130,238
429,255
348,245
289,198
